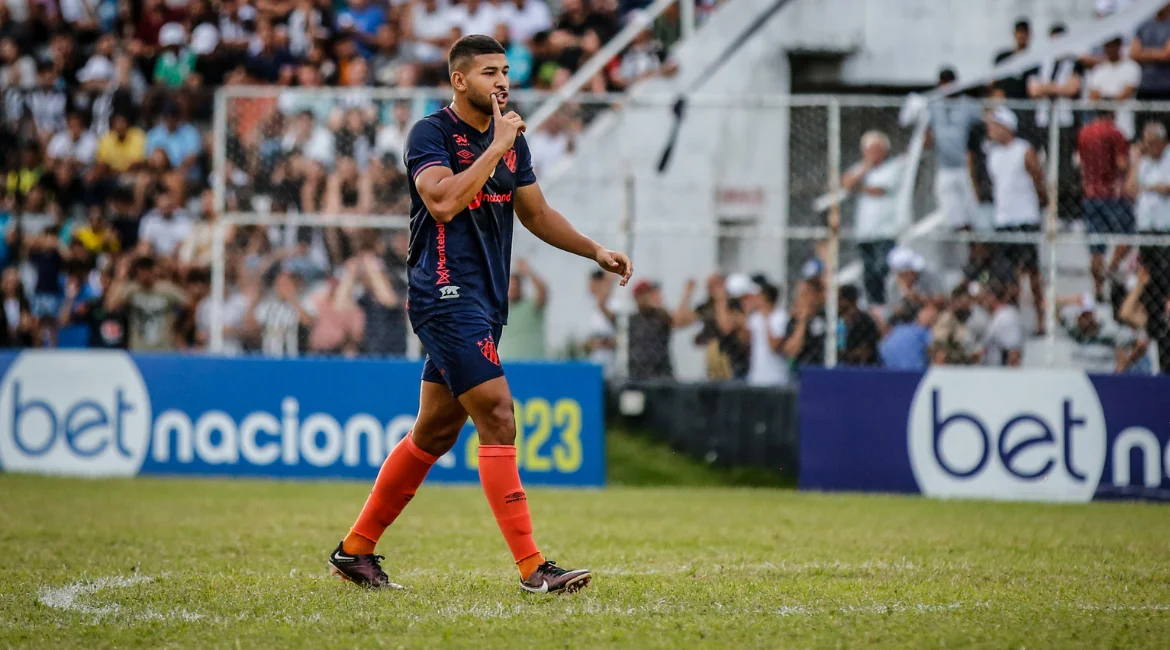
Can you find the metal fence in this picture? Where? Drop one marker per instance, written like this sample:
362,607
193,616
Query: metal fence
756,187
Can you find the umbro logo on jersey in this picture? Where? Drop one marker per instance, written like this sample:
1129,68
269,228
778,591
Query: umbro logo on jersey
465,154
514,497
448,292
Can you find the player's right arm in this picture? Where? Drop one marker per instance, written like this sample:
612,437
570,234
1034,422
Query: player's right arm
444,192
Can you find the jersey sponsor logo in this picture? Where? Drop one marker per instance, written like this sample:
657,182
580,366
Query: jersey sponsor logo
461,140
487,348
441,270
510,160
987,434
448,292
488,197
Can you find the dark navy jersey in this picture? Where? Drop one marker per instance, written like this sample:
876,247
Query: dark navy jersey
462,266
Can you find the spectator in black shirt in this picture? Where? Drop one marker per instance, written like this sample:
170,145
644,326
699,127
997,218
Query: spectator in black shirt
1016,87
650,329
44,253
804,340
861,335
19,327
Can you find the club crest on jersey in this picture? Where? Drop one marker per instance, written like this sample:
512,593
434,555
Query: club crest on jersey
448,292
510,160
487,347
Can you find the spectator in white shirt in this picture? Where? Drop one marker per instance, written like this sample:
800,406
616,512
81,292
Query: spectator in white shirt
1116,79
875,181
165,227
391,138
529,18
1018,190
76,142
550,143
478,17
766,323
601,335
429,30
1151,183
1003,344
16,71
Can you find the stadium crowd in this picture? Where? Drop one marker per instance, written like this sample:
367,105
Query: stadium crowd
107,210
908,312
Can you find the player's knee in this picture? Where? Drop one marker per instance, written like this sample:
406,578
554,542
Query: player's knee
499,425
438,440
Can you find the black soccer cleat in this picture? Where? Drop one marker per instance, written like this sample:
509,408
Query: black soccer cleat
549,578
362,570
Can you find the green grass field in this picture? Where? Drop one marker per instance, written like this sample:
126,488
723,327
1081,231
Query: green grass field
241,564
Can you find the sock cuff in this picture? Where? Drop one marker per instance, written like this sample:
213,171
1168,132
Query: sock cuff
497,451
416,451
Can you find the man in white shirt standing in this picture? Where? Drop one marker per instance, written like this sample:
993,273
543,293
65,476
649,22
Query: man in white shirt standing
530,17
1003,344
1018,190
766,323
876,224
1150,181
1116,79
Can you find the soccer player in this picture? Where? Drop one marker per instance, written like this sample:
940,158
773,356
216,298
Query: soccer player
469,166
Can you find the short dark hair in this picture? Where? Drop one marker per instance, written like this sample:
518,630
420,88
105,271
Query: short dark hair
597,275
1023,25
144,263
771,293
469,47
946,76
1057,28
1116,41
849,293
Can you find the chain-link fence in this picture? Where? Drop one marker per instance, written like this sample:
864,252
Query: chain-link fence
783,230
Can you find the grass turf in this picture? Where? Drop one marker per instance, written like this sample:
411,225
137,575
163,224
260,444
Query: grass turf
211,563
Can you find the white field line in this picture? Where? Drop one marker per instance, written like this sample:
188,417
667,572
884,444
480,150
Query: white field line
70,598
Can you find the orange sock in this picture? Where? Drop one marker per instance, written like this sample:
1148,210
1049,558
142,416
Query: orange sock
501,485
398,480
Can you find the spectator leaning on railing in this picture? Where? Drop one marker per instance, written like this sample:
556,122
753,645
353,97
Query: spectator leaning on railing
1018,191
1104,155
1150,182
875,180
1116,79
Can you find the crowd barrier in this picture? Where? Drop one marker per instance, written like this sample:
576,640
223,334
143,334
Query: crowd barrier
1038,435
99,413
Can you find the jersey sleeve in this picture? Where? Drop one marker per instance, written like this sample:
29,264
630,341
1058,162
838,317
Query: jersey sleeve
425,148
524,174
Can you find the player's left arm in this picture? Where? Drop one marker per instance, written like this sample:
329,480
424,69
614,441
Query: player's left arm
552,227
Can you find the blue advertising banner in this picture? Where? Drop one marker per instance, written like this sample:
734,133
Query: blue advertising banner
108,413
1045,435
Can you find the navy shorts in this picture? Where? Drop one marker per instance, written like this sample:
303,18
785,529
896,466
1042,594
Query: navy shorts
1108,217
461,351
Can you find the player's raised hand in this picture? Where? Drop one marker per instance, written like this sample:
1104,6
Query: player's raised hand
616,263
506,126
